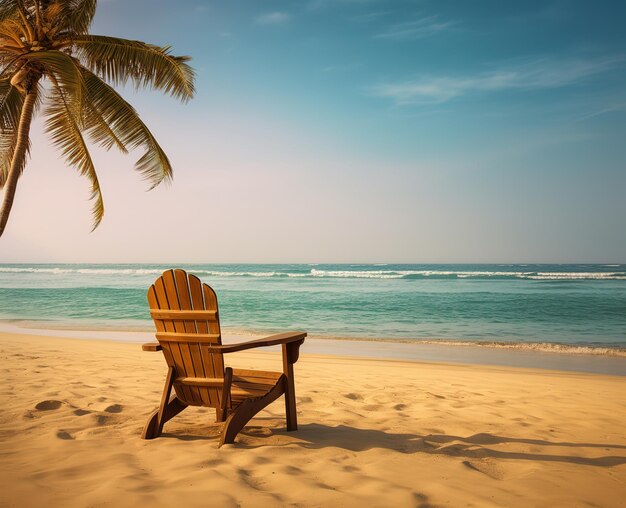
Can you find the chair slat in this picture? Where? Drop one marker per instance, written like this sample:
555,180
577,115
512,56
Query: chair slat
183,356
202,338
210,302
200,381
236,391
184,300
184,315
176,282
172,352
202,328
256,374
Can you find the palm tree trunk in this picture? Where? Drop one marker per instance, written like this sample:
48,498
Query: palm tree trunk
17,162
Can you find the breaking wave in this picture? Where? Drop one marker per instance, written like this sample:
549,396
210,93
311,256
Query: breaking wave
544,347
346,274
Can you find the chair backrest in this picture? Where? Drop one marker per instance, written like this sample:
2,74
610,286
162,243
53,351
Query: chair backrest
186,316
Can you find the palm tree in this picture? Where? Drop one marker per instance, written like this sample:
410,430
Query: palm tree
49,61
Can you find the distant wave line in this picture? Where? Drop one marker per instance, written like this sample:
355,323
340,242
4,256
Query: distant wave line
346,274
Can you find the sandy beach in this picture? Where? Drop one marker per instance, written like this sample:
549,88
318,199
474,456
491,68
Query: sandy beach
372,433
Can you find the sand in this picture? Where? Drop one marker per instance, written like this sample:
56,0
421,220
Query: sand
372,433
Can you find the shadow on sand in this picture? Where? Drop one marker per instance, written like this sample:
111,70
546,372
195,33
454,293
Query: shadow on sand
314,436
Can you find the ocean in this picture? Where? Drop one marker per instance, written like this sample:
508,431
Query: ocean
558,306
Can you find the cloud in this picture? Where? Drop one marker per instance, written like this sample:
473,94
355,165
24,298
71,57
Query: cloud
535,75
273,18
415,29
621,106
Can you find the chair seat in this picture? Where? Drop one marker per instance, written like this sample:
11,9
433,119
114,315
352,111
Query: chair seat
252,383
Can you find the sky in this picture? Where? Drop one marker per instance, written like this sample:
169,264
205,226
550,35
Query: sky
357,131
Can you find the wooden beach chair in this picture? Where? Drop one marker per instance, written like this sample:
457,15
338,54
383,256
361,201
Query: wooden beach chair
187,325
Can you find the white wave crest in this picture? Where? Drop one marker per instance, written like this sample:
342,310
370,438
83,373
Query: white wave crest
116,271
35,270
398,274
577,276
363,274
236,274
89,271
317,273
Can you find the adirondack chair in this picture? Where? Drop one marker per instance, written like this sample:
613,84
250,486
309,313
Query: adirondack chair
187,324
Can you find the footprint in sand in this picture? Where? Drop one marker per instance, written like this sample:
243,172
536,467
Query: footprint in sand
399,407
435,395
421,500
484,467
81,412
61,434
101,419
47,405
114,408
353,396
259,431
372,407
293,470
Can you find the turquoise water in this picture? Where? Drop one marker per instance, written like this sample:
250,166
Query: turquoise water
565,304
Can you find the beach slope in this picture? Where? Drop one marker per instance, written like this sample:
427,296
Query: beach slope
372,433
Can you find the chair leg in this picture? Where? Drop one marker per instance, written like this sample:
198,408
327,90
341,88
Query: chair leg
290,393
243,413
222,412
168,409
154,426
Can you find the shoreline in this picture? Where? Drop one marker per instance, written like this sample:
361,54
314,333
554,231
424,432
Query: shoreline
579,348
518,355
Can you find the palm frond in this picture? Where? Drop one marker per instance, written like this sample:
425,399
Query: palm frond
10,110
64,129
8,9
70,16
81,14
22,14
98,129
64,69
11,31
10,105
118,60
54,14
37,8
124,121
8,142
14,28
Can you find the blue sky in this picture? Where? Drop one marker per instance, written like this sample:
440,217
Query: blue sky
359,130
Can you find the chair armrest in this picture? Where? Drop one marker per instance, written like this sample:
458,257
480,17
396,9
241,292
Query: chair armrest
151,346
272,340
